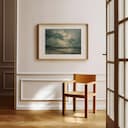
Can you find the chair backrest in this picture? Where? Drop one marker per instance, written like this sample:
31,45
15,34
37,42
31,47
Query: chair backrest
84,78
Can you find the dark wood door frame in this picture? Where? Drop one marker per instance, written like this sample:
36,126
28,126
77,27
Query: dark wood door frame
118,96
110,123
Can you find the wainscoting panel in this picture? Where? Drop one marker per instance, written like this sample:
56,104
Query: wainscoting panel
41,89
8,80
7,46
44,91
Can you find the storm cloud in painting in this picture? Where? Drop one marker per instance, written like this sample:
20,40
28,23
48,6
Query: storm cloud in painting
63,41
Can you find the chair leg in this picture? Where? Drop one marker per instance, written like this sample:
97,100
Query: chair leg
74,104
74,99
94,104
63,99
94,98
86,102
63,105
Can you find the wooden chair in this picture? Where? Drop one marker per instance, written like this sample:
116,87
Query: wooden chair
86,80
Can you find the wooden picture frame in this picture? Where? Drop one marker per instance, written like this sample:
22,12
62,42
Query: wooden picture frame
62,41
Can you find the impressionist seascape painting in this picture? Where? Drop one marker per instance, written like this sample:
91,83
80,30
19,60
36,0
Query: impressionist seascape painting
62,41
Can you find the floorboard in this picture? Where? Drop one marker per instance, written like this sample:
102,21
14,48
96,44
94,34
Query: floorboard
50,119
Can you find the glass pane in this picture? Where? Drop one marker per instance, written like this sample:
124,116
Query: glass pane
111,96
121,41
126,39
121,78
111,47
108,103
108,18
108,43
111,76
108,86
126,114
121,9
126,81
126,8
111,18
121,113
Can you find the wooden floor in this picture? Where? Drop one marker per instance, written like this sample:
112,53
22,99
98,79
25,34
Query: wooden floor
50,119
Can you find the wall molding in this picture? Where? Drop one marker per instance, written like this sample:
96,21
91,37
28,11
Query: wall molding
100,77
4,60
22,99
7,94
40,73
7,67
3,57
27,103
4,81
56,73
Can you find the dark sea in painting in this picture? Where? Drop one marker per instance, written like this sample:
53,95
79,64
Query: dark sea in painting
63,50
63,41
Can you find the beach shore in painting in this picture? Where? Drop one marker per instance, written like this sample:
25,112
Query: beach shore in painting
63,41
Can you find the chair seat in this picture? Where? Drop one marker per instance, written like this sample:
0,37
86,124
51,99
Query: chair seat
78,93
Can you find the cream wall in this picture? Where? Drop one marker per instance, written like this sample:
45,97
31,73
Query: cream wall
33,75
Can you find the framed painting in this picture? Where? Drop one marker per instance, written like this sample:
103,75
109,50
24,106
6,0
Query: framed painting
63,41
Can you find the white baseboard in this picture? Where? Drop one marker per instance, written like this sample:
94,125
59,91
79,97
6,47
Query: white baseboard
100,105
